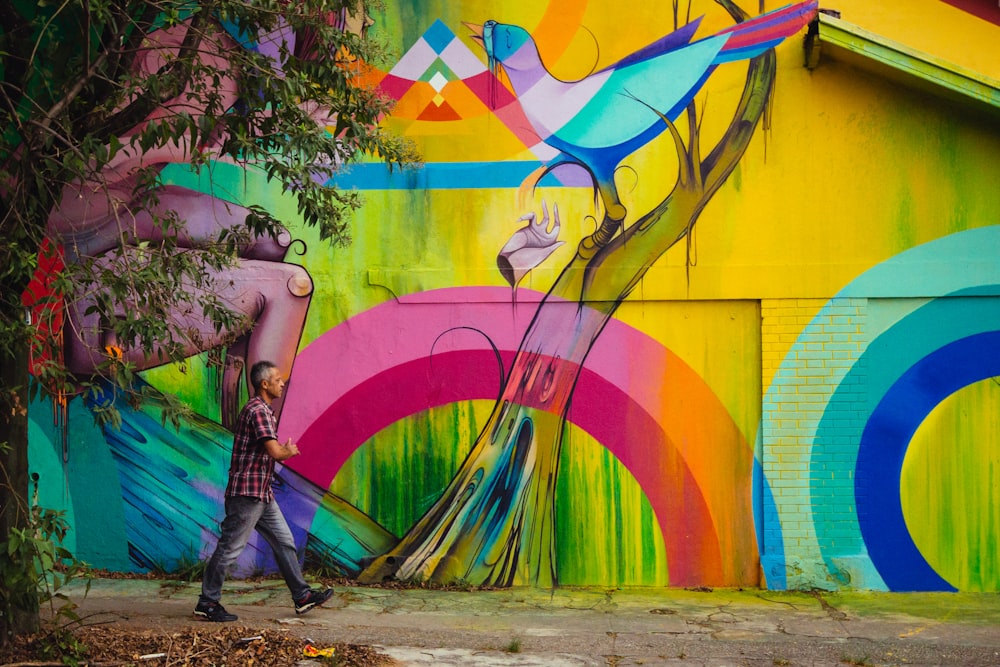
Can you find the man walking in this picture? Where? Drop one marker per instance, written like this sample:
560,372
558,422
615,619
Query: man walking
250,501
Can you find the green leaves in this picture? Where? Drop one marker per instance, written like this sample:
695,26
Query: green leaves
34,566
97,96
127,271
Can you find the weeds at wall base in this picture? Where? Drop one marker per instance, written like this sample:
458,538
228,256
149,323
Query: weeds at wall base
33,569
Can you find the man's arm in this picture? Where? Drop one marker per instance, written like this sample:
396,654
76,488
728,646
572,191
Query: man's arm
280,452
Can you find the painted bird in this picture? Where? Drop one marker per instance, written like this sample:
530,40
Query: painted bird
599,120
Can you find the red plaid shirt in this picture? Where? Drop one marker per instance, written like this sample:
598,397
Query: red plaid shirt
251,468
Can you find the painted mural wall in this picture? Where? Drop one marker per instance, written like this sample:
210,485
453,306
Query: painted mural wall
662,307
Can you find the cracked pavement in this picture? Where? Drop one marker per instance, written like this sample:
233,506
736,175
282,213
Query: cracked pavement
594,626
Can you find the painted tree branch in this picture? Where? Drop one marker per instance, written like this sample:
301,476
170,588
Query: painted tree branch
494,523
607,278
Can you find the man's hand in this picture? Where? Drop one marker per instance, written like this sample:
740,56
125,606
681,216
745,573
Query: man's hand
280,452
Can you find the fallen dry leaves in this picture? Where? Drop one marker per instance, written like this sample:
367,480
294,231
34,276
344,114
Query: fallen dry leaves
109,646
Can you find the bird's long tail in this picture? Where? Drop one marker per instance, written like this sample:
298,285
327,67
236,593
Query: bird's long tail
753,37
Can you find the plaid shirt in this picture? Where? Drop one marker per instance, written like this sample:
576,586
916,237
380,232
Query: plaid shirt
251,468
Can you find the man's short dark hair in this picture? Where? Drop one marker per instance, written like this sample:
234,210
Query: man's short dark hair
259,373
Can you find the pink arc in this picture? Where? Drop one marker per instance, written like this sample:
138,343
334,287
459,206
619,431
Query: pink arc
403,357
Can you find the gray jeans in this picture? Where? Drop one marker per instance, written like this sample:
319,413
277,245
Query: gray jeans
243,515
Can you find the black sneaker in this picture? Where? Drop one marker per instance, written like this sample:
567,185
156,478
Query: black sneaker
215,612
313,598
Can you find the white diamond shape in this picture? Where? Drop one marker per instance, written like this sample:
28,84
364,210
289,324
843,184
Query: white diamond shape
438,81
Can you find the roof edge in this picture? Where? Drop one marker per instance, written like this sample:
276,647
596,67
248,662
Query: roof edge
881,51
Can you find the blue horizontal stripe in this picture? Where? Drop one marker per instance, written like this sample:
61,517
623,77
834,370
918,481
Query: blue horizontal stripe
449,176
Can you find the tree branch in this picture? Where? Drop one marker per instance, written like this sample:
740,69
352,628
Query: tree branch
60,106
177,74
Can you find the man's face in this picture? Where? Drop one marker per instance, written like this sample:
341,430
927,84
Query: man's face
274,384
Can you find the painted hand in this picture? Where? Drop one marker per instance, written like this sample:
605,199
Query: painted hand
530,245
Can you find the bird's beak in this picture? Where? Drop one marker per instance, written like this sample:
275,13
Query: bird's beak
477,31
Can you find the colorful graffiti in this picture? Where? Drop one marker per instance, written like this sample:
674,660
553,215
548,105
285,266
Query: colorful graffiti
863,480
490,387
106,221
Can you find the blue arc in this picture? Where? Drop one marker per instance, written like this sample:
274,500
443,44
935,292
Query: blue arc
883,447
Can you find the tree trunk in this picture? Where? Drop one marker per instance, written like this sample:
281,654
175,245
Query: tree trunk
494,523
14,618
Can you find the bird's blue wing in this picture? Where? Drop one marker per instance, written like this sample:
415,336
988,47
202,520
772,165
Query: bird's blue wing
622,109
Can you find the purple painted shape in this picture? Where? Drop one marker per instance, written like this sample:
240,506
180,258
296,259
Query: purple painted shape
269,44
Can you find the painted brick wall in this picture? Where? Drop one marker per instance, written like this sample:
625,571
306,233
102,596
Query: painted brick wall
808,348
